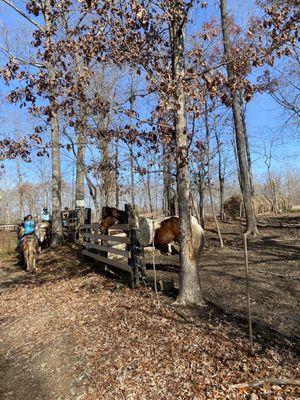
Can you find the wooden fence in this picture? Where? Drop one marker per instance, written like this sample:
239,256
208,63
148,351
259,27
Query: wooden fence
9,227
8,240
97,245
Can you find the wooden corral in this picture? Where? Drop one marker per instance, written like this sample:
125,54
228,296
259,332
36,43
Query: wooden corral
100,246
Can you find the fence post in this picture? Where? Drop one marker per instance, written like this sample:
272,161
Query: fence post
104,242
136,250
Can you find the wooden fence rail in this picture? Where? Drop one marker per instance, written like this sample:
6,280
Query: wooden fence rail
98,245
9,227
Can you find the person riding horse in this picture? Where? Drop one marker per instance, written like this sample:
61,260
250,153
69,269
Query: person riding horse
45,216
28,225
28,228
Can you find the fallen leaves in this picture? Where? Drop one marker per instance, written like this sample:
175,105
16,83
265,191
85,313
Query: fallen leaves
98,341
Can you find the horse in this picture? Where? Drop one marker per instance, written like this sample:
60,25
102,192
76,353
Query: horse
162,232
29,251
43,232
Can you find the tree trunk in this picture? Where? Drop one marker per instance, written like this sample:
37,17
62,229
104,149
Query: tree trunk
248,152
105,171
221,177
239,132
20,189
201,188
57,234
275,197
80,174
132,196
189,291
168,196
131,146
117,185
207,132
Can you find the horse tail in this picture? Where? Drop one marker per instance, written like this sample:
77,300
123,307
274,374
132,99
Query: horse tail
202,243
198,237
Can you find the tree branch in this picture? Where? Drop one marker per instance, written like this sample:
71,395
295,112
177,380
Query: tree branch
271,381
22,60
23,14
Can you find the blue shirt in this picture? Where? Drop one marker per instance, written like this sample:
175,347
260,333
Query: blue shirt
29,227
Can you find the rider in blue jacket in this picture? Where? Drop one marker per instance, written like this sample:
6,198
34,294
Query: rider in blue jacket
29,226
29,229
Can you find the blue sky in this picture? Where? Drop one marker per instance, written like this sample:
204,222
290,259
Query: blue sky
266,120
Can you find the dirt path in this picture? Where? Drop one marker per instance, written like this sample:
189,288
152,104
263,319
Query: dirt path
30,370
35,361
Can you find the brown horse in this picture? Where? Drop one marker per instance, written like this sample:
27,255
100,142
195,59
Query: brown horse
110,216
30,250
167,233
161,232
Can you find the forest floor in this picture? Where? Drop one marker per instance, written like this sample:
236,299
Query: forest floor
70,333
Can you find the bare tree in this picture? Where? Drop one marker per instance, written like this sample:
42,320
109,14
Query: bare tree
238,123
207,135
221,173
190,292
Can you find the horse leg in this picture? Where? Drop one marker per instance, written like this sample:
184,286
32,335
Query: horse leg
26,260
20,254
31,262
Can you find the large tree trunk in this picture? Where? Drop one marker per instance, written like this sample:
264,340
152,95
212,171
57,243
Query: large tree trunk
57,234
239,131
190,291
248,152
131,145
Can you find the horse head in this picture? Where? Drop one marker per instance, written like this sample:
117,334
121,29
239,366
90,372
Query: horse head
106,223
42,231
111,215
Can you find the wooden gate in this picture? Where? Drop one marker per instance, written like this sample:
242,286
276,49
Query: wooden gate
98,245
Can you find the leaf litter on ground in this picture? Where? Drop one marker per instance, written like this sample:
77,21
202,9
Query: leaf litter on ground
87,337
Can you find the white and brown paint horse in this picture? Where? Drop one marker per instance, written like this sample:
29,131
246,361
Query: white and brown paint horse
162,232
43,232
